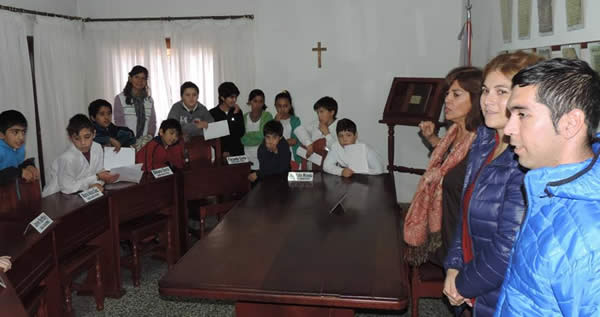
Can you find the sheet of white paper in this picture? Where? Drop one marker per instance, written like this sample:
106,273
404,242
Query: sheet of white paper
216,130
132,173
315,158
356,155
112,159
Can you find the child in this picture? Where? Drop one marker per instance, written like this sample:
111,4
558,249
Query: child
289,121
254,122
326,109
228,109
192,115
81,166
13,129
336,160
107,133
5,263
164,149
274,153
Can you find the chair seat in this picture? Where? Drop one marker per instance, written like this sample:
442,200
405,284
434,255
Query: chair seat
431,272
76,260
140,228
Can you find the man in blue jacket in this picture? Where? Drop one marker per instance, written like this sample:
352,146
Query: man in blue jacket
555,262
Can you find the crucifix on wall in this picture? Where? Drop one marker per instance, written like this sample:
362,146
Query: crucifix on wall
319,49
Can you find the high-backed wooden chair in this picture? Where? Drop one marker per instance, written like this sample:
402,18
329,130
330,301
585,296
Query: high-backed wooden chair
426,281
200,151
77,262
227,184
319,147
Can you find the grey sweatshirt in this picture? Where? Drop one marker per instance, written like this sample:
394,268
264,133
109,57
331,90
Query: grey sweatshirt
181,113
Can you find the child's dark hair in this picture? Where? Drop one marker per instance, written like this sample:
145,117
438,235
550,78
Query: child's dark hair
11,118
346,125
255,93
171,124
128,87
186,85
227,89
328,104
79,122
273,127
286,95
96,105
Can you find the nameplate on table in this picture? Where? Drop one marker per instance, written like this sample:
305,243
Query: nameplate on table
41,223
231,160
162,172
300,177
91,194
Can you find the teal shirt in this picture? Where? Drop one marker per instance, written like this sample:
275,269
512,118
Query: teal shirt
255,138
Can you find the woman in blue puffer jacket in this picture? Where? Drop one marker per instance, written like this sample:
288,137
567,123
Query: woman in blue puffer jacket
493,203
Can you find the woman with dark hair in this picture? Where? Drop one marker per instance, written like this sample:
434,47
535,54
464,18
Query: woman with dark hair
134,107
433,214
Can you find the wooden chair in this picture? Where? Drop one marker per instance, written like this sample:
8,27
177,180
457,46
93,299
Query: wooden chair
426,280
138,232
200,151
81,260
225,184
319,147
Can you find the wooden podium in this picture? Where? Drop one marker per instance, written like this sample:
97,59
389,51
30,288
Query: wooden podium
411,100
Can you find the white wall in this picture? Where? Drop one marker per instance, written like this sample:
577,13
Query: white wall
487,34
66,7
368,43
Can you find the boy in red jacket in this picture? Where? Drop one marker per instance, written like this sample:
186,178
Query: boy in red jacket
164,150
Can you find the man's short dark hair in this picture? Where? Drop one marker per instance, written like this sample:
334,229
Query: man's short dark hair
170,124
79,122
186,85
228,89
563,85
345,125
273,127
11,118
96,105
328,104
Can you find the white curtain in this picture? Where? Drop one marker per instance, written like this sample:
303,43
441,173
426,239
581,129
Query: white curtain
60,80
209,52
16,87
113,48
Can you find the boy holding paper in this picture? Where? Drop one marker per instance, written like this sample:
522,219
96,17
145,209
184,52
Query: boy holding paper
192,115
164,150
228,109
80,167
108,134
346,154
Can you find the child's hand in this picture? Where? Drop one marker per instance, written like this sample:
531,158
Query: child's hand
309,151
27,175
201,124
5,263
291,141
100,187
226,154
347,172
34,171
116,144
107,177
277,117
236,108
252,177
324,128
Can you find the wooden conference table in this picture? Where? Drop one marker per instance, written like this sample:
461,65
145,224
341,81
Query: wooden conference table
280,251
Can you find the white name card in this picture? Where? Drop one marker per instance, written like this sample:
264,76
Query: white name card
41,222
91,194
162,172
237,159
300,177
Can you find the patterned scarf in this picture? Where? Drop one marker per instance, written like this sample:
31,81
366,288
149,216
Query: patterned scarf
423,220
140,113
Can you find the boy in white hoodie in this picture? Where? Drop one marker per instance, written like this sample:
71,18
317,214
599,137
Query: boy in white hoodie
337,158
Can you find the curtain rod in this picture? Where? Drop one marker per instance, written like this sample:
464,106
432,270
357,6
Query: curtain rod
69,17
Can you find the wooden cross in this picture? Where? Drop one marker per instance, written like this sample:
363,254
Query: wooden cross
319,49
